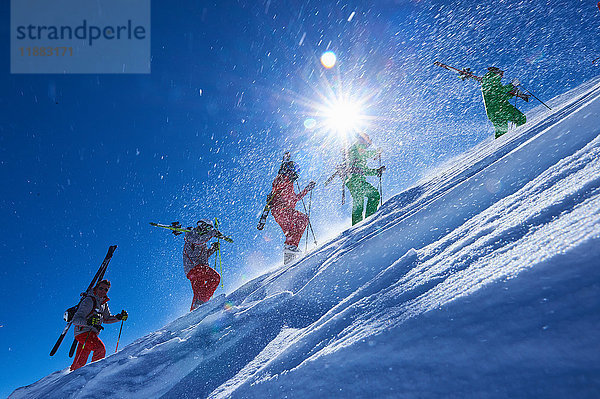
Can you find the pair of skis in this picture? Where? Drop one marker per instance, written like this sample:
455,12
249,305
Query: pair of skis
97,277
265,213
176,228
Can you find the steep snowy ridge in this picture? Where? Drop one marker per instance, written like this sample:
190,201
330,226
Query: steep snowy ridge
483,280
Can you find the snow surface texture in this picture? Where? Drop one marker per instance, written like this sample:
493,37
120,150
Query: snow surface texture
483,280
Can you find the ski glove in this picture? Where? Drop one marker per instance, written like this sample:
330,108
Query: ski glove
522,95
122,316
94,321
215,246
380,171
311,185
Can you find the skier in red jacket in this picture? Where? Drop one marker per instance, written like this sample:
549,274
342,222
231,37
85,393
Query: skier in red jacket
282,204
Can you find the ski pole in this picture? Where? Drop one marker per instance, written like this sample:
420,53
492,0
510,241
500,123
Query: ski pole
220,263
534,96
380,189
309,206
219,253
119,337
82,347
309,224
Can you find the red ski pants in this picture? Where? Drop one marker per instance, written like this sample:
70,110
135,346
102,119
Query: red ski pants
293,224
88,342
205,281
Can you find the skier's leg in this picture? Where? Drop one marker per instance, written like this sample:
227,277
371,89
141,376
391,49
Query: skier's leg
212,283
205,281
97,347
285,220
300,222
372,199
83,352
358,200
196,287
517,117
501,127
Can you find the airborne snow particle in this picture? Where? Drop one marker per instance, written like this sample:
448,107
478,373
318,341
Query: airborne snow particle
302,39
351,16
328,59
310,123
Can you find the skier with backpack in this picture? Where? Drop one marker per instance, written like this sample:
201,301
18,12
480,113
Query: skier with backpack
282,203
204,279
356,178
496,97
91,313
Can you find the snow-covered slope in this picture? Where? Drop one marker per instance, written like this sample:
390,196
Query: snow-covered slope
481,281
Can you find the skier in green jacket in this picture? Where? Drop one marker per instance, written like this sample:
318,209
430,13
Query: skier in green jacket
495,98
356,180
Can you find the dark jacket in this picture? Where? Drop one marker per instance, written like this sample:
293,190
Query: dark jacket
85,311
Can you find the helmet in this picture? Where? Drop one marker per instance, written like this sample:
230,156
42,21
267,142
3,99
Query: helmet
204,225
289,169
495,70
364,139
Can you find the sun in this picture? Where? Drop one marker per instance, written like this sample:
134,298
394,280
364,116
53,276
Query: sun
328,59
343,116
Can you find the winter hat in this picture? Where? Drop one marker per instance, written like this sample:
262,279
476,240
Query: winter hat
495,70
105,282
204,223
289,169
364,139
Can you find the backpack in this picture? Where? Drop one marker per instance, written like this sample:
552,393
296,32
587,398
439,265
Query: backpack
69,313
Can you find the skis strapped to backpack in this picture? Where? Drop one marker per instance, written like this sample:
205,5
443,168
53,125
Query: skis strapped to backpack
265,213
176,228
98,277
464,73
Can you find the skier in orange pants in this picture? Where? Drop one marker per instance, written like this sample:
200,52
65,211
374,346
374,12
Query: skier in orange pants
88,342
91,313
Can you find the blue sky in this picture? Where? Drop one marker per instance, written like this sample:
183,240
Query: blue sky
86,161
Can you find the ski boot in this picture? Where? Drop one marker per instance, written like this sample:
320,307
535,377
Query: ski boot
290,252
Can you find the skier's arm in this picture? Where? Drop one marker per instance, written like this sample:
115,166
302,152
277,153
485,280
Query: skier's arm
508,89
371,172
107,317
85,308
309,187
371,154
195,238
302,194
212,249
